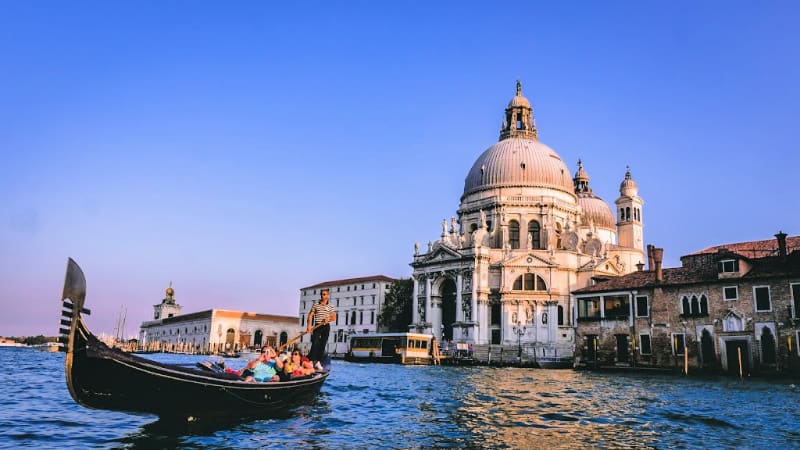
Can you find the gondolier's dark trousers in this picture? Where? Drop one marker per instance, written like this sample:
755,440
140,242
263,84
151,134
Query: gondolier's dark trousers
319,339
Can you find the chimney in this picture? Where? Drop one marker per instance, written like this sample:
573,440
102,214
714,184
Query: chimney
781,243
640,266
658,256
650,256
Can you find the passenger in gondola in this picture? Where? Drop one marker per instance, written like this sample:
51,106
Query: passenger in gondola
265,367
295,367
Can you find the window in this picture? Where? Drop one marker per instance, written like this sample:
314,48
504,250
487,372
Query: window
353,318
795,300
513,234
560,315
642,307
694,306
761,295
728,266
645,348
678,343
730,293
302,321
529,282
616,306
361,317
589,308
535,234
372,317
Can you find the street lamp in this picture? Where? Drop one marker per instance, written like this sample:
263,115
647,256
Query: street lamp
519,330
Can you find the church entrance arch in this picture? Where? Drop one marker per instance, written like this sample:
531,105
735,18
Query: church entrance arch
448,293
258,338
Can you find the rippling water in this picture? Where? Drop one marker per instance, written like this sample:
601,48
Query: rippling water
367,406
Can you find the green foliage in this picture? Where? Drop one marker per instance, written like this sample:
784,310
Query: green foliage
396,313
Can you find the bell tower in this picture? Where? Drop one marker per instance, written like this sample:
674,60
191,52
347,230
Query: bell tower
629,214
167,307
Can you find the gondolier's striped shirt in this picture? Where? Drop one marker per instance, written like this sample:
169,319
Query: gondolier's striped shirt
321,312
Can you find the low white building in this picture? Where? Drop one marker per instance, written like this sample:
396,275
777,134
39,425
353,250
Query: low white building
212,331
357,302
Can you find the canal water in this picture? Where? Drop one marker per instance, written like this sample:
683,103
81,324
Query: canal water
391,406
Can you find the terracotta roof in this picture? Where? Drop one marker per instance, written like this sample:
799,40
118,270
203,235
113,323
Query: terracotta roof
352,281
680,276
755,249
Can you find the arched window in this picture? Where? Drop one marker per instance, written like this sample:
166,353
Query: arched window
695,306
560,315
703,305
513,234
540,284
627,213
685,306
535,234
529,282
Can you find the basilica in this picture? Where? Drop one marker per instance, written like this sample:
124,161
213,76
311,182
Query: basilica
526,234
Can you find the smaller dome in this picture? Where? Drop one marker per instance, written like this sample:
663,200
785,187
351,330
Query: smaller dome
518,101
170,291
596,211
628,187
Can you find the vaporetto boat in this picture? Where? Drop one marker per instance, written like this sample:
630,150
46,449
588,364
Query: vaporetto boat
402,348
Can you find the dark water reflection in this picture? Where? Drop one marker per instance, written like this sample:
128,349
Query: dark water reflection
369,406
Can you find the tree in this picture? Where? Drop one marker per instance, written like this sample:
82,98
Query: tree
396,313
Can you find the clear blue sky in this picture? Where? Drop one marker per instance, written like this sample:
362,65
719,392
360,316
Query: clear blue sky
244,150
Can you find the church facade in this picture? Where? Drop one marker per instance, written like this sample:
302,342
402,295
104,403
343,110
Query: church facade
526,234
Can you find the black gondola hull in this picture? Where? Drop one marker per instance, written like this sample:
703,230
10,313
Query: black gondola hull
105,378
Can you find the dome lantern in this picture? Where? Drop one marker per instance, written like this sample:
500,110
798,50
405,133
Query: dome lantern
519,121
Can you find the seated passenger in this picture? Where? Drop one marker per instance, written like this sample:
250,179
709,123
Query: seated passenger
295,367
265,367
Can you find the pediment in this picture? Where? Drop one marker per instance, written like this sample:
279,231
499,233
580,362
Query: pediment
604,265
528,259
441,253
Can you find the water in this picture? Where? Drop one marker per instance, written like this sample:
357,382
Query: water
390,406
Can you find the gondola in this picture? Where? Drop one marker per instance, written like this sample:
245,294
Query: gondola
102,377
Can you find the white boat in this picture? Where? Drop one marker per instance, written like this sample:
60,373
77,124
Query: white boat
403,348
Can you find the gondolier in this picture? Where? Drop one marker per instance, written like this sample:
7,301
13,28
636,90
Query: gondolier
321,314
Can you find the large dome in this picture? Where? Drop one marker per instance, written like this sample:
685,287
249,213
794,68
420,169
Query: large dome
519,162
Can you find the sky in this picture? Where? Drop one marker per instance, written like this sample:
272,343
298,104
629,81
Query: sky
245,150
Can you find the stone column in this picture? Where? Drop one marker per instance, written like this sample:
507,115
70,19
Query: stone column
415,302
459,307
428,299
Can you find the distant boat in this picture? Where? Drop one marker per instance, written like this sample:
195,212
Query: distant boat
50,347
402,348
102,377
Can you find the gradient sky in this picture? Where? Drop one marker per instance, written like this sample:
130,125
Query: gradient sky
245,150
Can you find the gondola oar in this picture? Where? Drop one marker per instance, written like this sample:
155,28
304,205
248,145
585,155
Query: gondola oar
290,341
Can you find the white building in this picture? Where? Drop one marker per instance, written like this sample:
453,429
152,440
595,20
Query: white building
214,330
526,235
357,302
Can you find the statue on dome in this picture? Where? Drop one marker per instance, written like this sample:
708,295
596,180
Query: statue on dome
519,88
416,248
